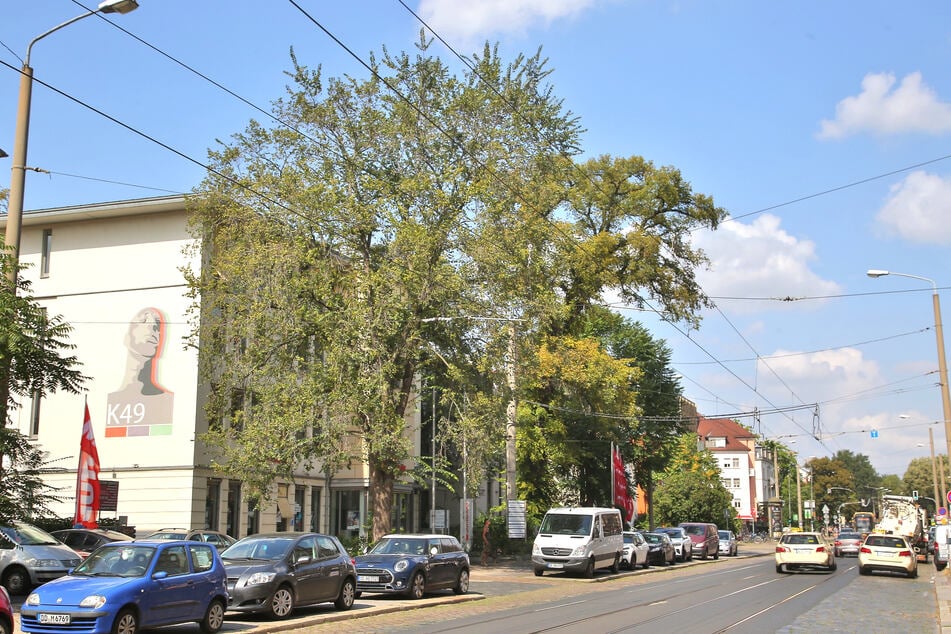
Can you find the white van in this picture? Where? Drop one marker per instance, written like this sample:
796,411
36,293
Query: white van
579,539
942,546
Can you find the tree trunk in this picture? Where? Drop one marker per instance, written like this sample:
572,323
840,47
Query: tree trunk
381,492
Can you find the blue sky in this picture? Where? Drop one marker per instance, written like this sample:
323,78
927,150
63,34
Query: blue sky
822,127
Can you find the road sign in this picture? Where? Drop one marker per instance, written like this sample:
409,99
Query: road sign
942,511
949,496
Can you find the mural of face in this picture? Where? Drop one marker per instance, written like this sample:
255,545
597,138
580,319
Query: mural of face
145,333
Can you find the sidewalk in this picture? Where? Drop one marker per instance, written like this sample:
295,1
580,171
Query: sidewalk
942,591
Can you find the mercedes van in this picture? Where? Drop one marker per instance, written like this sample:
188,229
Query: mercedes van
579,540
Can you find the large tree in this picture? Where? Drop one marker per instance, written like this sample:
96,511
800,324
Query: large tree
919,476
690,489
333,241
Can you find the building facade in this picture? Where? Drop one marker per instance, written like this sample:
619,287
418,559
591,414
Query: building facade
114,272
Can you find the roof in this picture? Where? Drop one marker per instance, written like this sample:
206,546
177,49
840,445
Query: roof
725,428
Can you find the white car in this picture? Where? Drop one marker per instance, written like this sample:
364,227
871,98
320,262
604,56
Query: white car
890,553
804,550
683,547
635,550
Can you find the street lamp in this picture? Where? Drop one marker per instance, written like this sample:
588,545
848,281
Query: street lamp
18,170
942,363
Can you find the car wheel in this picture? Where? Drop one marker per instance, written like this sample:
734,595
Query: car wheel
779,568
16,580
647,562
282,603
347,595
833,566
417,586
125,623
5,628
539,572
616,565
462,584
913,574
716,554
862,571
939,566
589,569
214,617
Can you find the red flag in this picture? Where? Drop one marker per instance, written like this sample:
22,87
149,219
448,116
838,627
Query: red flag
621,497
87,478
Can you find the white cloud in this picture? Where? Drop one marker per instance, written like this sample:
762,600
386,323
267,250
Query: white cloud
469,20
911,107
918,209
759,260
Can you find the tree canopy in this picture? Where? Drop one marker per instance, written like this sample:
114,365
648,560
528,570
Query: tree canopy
344,248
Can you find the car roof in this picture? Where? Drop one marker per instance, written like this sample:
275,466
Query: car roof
417,535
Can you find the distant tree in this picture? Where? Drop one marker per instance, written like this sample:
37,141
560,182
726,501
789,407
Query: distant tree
864,476
833,485
690,489
919,477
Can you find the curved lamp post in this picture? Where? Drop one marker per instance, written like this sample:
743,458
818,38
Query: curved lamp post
942,362
22,133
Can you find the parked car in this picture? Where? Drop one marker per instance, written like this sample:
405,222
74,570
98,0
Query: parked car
942,546
705,538
86,540
6,612
273,573
889,553
413,565
931,539
219,539
804,550
578,539
661,549
683,547
728,545
125,587
30,556
847,544
635,550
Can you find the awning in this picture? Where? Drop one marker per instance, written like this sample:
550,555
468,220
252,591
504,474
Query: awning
745,517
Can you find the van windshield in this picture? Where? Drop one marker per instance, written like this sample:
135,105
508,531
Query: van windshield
695,529
564,524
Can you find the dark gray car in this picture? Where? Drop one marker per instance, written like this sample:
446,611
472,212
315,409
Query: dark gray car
273,573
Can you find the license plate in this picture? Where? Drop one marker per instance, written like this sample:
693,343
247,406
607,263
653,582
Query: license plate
367,578
556,565
885,554
54,619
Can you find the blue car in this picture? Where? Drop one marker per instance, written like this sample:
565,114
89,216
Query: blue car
413,565
124,587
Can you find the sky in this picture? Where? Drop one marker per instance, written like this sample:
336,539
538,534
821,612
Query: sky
821,127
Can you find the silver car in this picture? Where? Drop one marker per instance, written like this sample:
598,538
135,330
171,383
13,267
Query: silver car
728,545
683,548
30,556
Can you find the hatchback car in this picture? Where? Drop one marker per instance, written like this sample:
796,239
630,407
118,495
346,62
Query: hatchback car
728,545
661,549
219,539
683,547
804,550
889,553
635,550
30,556
86,540
6,612
128,586
273,573
413,565
847,544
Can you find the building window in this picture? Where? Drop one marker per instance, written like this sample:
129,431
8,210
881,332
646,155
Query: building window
736,483
737,504
315,509
254,518
35,413
735,463
725,482
299,508
46,248
348,516
234,508
212,502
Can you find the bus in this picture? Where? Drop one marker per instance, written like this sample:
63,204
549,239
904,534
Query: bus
864,522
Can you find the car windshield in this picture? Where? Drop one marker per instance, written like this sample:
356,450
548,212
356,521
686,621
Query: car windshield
800,539
566,524
27,535
724,534
849,536
695,530
653,539
129,560
675,533
885,541
399,546
628,538
271,548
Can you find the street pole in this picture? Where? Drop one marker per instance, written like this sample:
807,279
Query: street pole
934,471
799,495
942,363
